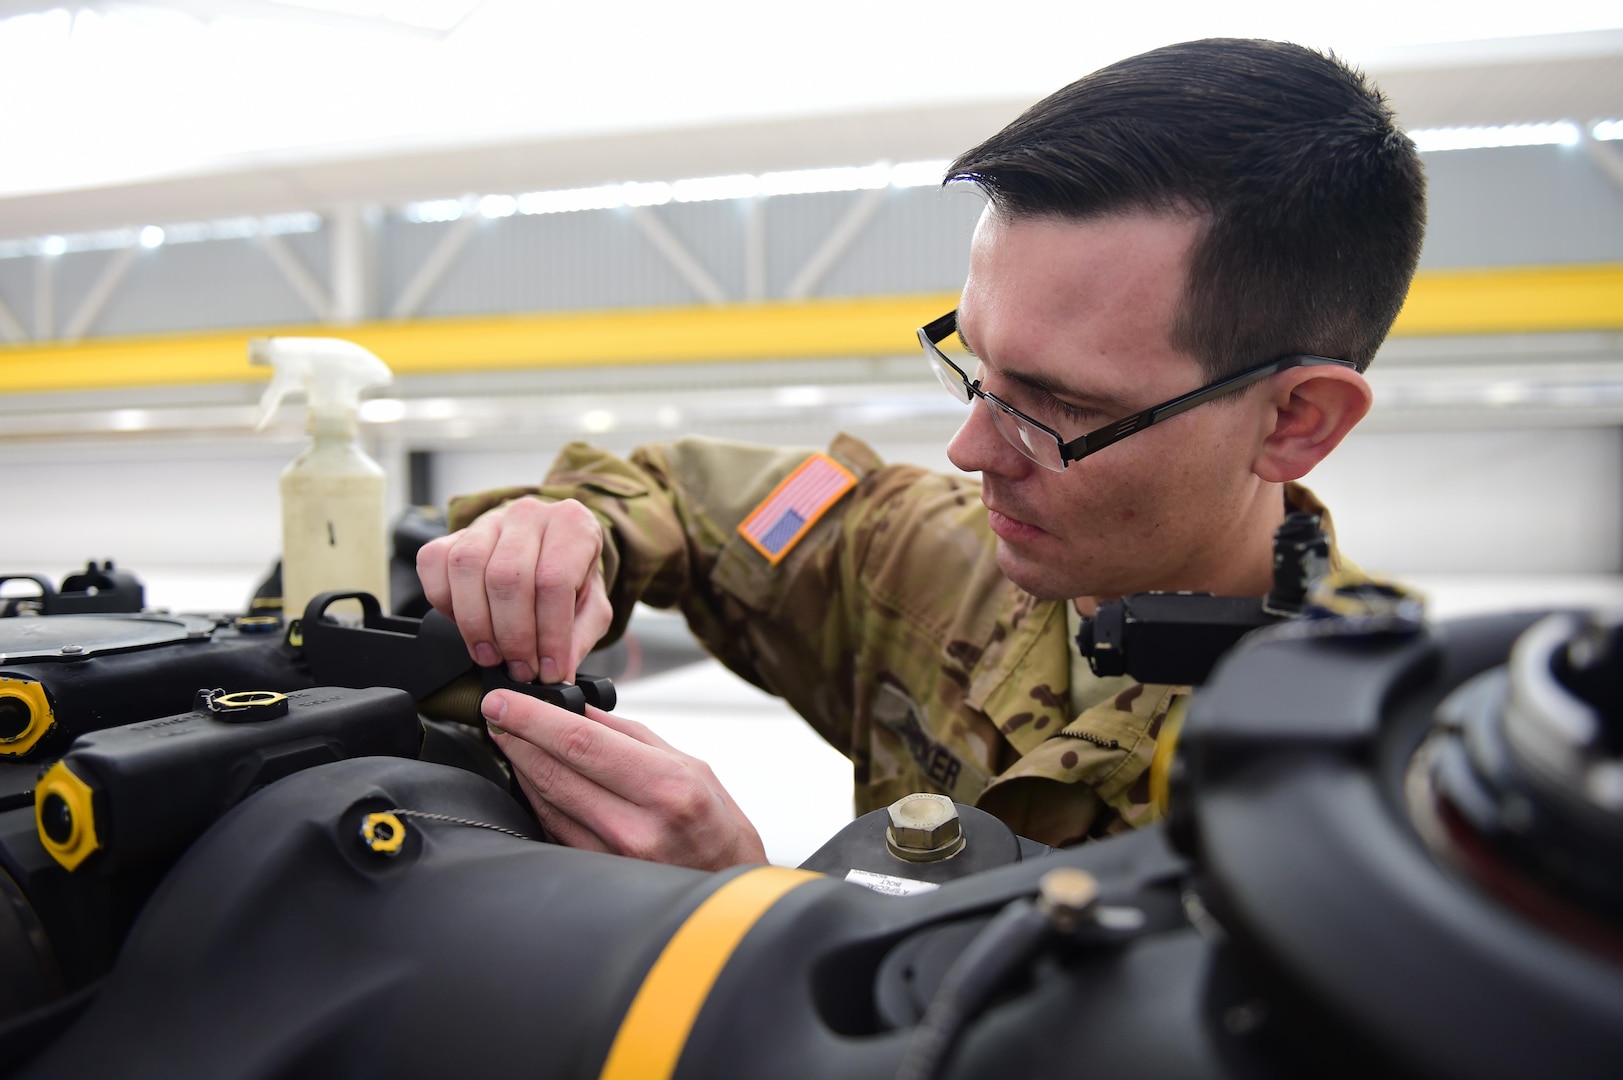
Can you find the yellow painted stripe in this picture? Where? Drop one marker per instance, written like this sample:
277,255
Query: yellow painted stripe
1543,299
877,326
1493,301
656,1027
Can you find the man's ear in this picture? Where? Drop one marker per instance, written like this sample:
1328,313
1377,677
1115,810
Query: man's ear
1311,410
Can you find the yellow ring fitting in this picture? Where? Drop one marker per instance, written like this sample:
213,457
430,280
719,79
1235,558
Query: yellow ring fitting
1353,596
1166,746
30,696
383,834
257,624
65,815
249,699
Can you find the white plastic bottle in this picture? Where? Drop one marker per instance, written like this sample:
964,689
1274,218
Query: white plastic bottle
333,527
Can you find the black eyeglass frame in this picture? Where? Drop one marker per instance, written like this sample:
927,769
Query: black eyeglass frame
938,330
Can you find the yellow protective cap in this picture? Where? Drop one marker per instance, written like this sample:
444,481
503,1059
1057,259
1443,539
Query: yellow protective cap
382,833
28,696
64,813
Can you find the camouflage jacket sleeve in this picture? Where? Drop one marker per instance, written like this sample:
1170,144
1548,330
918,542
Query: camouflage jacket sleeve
671,514
888,625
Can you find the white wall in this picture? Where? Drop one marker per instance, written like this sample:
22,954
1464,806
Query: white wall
199,519
1543,501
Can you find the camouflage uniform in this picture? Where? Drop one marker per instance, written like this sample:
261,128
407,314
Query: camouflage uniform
888,626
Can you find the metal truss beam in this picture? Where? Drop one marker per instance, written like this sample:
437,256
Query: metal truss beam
354,262
300,278
755,250
434,267
44,297
677,254
1609,156
9,325
112,275
839,241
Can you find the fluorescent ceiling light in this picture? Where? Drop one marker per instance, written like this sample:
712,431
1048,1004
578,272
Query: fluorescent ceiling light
561,202
440,15
1607,130
498,206
908,174
708,188
813,181
597,421
918,173
1560,133
433,210
655,194
151,236
382,410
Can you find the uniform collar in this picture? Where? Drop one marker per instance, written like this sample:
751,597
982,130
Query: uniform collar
1022,681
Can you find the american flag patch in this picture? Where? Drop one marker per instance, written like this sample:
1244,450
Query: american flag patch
795,505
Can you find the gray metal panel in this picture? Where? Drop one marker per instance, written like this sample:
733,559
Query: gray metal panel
314,250
1502,207
553,262
212,284
1521,206
796,226
17,290
402,247
919,242
714,233
73,275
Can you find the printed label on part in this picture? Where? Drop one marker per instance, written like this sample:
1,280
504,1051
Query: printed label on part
890,886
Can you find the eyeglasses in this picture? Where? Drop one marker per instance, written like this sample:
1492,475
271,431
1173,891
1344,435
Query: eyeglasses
1043,444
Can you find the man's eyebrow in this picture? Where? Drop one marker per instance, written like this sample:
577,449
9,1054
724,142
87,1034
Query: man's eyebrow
1054,388
1106,403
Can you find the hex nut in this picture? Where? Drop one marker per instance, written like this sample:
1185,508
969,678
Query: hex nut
924,827
1068,896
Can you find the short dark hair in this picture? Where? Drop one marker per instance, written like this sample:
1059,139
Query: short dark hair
1314,200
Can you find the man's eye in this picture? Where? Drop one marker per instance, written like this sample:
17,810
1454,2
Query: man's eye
1072,412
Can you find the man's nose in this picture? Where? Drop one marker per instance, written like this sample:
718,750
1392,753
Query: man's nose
979,447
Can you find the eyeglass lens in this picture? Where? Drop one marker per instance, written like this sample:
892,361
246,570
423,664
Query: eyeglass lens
1035,444
953,380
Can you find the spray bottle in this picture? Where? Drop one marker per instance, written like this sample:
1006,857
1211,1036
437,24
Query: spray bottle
333,528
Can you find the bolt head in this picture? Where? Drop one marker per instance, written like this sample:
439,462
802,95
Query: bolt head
924,822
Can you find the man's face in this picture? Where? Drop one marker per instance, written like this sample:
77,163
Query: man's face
1070,321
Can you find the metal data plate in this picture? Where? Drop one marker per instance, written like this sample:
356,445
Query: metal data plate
32,638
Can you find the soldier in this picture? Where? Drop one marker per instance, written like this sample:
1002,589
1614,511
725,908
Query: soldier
1226,227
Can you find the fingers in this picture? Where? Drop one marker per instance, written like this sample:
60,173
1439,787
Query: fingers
574,809
452,569
593,614
432,572
508,583
559,826
596,751
604,782
570,561
524,584
629,728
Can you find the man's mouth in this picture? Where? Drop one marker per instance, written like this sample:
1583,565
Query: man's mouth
1008,527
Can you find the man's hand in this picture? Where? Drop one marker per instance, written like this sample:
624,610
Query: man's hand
607,784
524,584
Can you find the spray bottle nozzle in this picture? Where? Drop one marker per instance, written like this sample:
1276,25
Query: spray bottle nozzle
331,372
